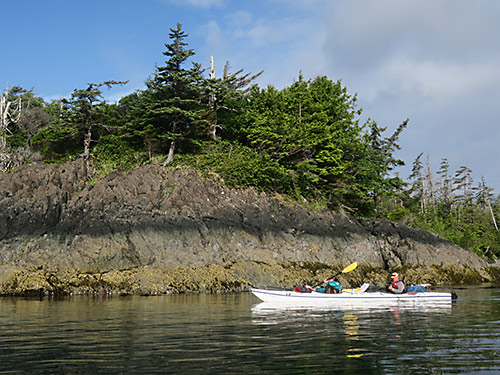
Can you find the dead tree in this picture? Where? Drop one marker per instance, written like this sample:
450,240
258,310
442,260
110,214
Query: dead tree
10,112
221,89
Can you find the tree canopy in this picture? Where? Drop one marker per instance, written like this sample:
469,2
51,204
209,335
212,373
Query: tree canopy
304,141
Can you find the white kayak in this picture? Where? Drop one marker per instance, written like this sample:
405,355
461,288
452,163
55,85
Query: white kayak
347,297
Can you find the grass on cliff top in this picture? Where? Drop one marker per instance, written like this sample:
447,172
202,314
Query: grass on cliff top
233,165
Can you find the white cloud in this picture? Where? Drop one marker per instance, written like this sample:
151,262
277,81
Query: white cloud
281,46
265,32
213,34
434,80
435,62
367,33
239,19
438,50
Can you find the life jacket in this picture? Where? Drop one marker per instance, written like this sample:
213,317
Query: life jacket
333,287
395,285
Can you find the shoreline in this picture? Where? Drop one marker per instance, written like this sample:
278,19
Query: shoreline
238,277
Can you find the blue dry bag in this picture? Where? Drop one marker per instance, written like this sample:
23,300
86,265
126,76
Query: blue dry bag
415,289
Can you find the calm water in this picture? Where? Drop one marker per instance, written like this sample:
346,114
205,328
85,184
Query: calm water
228,334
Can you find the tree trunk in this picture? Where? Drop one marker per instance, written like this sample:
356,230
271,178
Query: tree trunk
6,117
171,150
86,150
212,104
492,216
4,122
430,184
86,144
170,156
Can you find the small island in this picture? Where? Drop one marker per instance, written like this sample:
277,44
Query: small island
206,184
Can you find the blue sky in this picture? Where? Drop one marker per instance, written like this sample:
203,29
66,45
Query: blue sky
435,62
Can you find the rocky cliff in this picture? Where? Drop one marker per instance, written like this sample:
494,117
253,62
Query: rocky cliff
152,230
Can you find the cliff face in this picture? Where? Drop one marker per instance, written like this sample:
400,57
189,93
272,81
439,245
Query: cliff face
152,231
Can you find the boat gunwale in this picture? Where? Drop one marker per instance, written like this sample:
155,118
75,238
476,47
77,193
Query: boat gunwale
284,294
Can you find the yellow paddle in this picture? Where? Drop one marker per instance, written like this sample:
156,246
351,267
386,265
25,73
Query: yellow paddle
349,268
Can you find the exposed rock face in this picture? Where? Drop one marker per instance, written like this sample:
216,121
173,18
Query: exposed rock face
152,231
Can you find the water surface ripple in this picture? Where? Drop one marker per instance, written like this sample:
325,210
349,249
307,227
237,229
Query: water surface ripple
231,333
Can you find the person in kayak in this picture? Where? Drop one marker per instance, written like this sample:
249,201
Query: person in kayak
396,286
332,286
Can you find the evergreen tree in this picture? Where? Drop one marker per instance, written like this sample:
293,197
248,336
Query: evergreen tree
445,184
87,105
312,129
417,187
78,118
378,161
223,98
463,183
172,102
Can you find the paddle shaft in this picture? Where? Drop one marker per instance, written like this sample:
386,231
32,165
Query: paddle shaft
349,268
331,277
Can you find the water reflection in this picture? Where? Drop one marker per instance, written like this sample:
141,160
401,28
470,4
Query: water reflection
228,333
353,328
271,309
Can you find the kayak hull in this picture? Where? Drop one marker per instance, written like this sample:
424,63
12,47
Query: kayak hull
347,297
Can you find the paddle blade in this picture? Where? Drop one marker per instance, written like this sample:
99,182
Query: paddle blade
350,267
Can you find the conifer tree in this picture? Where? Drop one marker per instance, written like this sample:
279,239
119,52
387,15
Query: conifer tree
173,108
311,128
463,182
445,184
223,96
378,161
417,188
86,105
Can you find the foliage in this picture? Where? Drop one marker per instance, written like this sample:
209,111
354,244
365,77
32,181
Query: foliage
172,107
223,98
311,129
233,161
87,109
56,143
452,208
113,152
304,141
25,114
